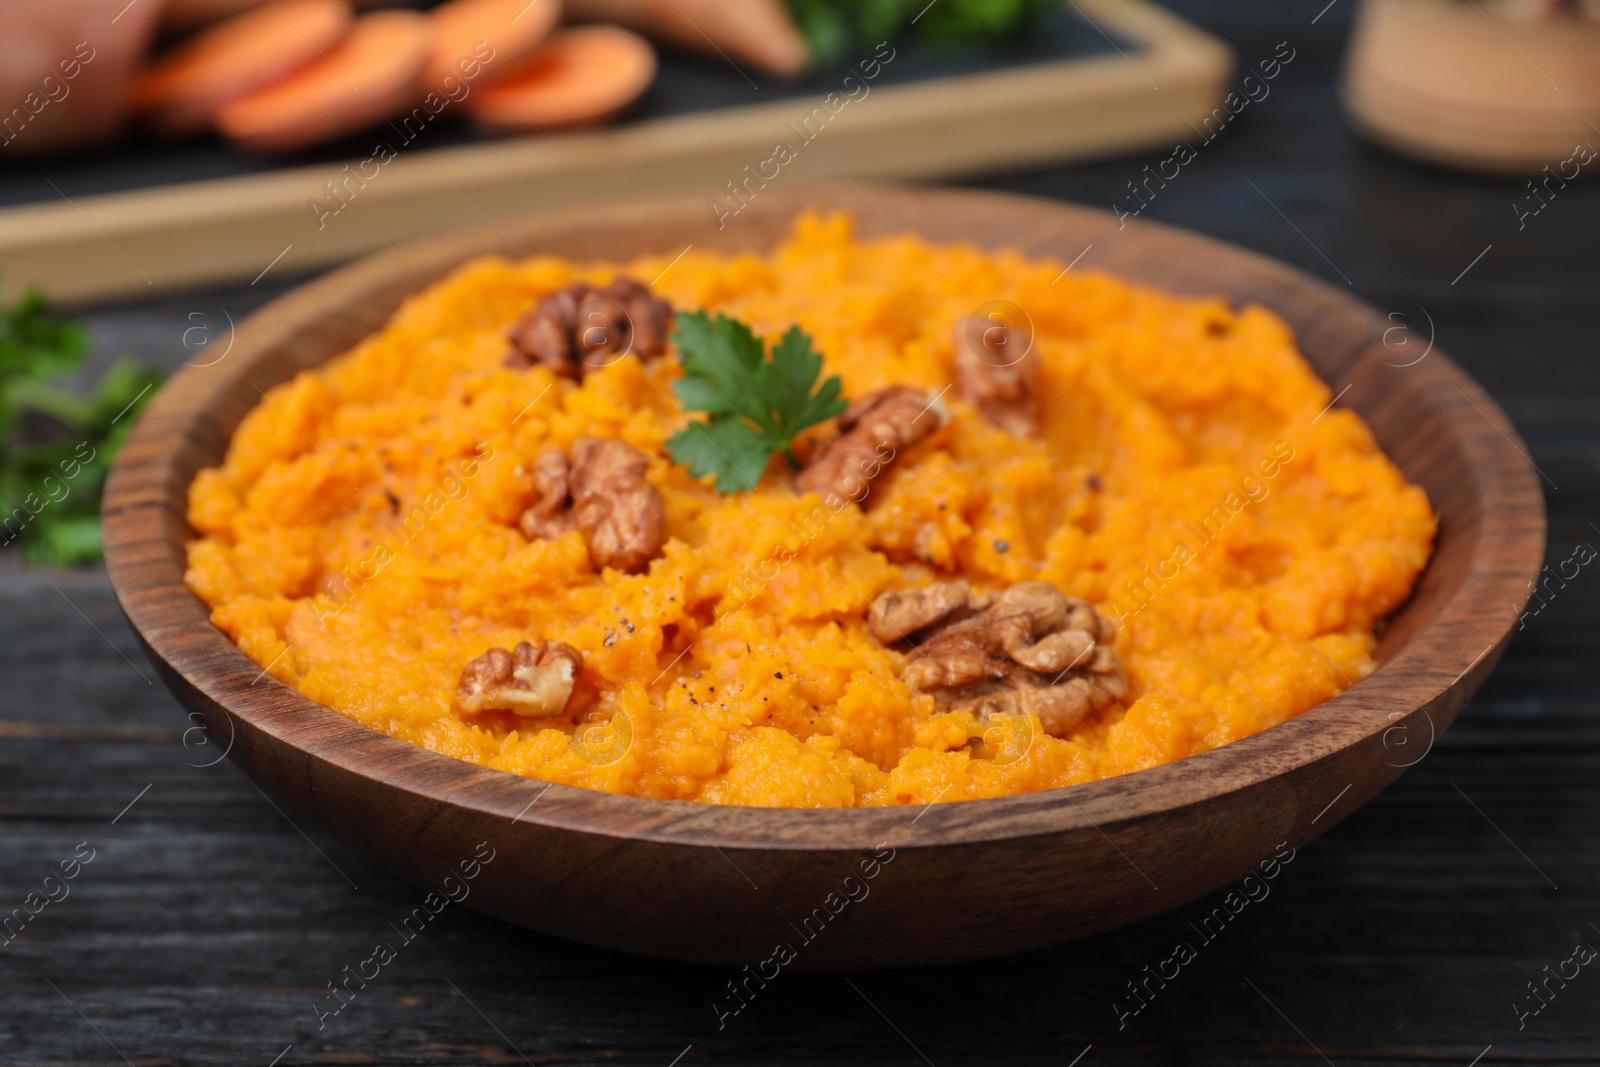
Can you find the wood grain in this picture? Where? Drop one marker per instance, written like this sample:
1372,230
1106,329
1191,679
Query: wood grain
724,884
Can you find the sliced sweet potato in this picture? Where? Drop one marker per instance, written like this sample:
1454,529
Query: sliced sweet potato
578,76
470,36
757,32
376,71
182,92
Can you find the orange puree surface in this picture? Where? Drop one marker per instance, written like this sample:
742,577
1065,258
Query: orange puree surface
361,539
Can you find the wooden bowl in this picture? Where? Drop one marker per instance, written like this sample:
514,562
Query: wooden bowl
951,882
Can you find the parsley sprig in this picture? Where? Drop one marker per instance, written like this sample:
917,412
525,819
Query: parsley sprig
833,27
755,405
56,447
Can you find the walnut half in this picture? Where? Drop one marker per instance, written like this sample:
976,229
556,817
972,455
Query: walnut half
1031,649
532,680
996,371
601,491
579,328
872,434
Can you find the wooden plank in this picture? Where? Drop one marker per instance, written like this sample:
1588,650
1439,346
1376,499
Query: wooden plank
128,243
205,928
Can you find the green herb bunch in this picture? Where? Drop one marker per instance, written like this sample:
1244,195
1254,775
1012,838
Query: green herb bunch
833,27
55,447
756,406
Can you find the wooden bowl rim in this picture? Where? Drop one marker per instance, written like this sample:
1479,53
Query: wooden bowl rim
174,625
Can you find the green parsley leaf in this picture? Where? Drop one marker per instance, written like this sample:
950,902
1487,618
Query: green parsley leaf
720,358
756,405
832,28
33,345
730,448
56,447
64,542
788,379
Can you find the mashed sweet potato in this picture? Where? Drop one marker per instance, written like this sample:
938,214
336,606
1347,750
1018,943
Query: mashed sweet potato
361,542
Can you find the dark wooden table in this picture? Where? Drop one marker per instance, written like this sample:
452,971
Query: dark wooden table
207,925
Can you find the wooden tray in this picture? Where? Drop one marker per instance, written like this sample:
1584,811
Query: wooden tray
1110,76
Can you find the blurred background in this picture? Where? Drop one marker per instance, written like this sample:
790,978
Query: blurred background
167,167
